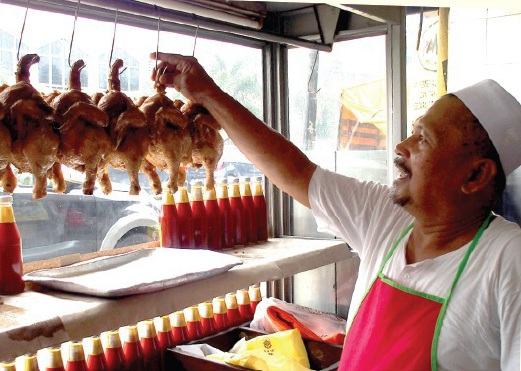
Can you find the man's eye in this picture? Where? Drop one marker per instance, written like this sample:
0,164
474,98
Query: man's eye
422,139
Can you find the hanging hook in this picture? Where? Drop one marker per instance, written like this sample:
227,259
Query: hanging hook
114,36
22,32
158,31
73,30
311,75
196,31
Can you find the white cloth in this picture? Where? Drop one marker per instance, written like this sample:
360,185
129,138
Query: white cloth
481,329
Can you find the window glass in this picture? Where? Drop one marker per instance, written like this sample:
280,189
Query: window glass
338,113
72,222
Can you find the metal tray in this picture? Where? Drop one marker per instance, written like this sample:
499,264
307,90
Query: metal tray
136,272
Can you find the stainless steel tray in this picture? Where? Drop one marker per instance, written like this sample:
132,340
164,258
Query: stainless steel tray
136,272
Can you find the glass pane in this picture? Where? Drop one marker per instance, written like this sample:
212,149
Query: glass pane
72,222
338,113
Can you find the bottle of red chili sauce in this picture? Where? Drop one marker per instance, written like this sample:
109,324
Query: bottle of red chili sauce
11,269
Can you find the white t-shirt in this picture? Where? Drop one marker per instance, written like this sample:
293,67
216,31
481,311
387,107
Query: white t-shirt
481,329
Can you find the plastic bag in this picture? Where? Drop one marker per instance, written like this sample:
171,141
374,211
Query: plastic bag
273,315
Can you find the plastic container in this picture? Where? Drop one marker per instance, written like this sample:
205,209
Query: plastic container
232,310
214,220
220,313
207,318
241,237
132,349
193,323
11,268
114,356
200,217
244,304
169,236
94,354
185,219
179,328
225,211
261,211
249,209
150,345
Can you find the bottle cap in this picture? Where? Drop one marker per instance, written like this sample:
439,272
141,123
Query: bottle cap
129,334
162,324
231,301
235,180
222,181
146,329
76,352
168,198
7,366
177,319
255,293
243,298
92,345
219,305
182,195
258,179
27,362
210,194
205,309
111,339
192,314
51,357
6,198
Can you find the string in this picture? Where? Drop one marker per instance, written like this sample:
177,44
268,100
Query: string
195,38
113,36
22,32
311,75
73,30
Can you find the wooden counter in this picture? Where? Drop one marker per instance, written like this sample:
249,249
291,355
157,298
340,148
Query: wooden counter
40,317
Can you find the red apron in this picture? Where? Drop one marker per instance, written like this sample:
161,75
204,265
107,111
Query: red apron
397,328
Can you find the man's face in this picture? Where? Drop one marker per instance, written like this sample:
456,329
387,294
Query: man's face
434,161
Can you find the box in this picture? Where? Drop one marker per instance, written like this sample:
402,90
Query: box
322,356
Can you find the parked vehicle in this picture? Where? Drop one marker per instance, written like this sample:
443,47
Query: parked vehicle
61,224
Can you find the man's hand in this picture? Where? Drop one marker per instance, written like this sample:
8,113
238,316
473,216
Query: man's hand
184,74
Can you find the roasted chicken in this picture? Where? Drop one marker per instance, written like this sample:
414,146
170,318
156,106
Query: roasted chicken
170,141
7,178
207,142
130,135
33,129
84,142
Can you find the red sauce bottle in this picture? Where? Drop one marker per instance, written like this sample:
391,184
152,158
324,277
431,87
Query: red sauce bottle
207,319
239,215
232,310
179,328
193,323
150,345
132,349
52,359
169,236
11,269
76,357
225,211
114,356
95,356
200,217
186,220
249,209
255,297
243,301
27,362
164,336
259,202
220,313
214,220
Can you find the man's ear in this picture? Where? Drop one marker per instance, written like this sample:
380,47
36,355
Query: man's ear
483,172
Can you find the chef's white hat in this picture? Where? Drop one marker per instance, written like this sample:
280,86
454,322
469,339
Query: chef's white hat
500,114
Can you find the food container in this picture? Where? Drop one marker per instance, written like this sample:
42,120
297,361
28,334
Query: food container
322,356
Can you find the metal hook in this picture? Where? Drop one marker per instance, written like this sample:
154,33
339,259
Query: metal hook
73,30
195,37
158,31
311,75
114,37
22,32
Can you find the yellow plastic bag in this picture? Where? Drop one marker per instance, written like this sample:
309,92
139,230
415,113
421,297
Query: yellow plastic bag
258,360
287,343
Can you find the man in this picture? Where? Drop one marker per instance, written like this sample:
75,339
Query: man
440,276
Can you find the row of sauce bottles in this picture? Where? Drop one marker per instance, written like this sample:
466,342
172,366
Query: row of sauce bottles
228,215
142,347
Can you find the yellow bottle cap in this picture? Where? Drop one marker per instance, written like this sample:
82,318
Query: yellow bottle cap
205,309
219,305
231,301
163,324
177,319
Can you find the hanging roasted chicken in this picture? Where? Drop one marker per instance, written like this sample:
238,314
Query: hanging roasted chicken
170,141
129,132
207,142
7,177
33,129
84,143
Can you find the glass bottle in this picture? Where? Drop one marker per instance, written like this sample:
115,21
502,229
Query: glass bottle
259,202
169,236
225,211
249,209
200,217
94,354
132,349
214,220
113,351
150,345
186,220
239,215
